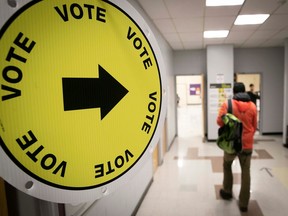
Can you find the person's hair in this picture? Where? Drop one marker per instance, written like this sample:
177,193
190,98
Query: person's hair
251,85
238,87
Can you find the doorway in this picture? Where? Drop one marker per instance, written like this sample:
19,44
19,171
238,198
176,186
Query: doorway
255,79
190,109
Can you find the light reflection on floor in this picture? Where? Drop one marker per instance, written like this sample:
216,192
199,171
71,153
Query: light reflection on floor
188,181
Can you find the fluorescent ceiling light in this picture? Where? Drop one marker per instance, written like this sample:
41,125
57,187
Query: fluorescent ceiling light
216,34
224,2
252,19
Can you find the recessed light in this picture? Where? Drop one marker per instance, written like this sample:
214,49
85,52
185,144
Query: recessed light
224,2
252,19
216,34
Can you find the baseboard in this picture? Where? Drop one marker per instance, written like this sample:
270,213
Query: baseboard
142,198
211,140
272,133
169,147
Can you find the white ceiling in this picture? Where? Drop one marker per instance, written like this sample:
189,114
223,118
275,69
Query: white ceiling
182,23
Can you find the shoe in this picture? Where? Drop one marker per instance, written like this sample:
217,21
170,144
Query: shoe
243,209
225,195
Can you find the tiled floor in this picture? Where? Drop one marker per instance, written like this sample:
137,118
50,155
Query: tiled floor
188,181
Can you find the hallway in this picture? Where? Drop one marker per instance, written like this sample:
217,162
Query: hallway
188,181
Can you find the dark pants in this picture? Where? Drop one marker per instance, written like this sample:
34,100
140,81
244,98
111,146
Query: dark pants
245,161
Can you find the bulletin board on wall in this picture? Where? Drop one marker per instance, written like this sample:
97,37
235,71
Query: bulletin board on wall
218,94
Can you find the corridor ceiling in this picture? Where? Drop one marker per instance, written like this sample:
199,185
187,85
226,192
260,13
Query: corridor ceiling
182,23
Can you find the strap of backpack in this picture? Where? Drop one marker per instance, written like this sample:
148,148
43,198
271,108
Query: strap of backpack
230,110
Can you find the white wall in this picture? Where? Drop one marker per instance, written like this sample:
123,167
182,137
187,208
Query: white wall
190,62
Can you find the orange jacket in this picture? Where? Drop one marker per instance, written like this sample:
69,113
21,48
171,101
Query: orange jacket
247,113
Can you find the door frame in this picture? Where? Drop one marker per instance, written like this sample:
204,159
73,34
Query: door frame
260,126
203,101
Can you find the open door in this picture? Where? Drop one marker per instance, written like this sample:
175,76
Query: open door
190,109
255,79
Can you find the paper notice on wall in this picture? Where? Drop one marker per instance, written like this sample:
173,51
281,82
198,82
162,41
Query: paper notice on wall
218,94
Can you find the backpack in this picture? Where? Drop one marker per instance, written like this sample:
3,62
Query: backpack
230,135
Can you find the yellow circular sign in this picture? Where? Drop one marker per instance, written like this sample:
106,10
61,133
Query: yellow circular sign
80,92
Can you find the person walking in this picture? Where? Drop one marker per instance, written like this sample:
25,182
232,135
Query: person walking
253,95
245,110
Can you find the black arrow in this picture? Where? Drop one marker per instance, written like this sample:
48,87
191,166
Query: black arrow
267,170
85,93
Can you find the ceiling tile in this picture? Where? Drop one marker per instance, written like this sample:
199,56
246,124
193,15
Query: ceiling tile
281,34
213,41
176,45
156,9
191,36
222,11
253,43
275,22
194,24
172,37
245,27
193,45
238,36
165,25
283,9
185,8
262,35
219,23
259,6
